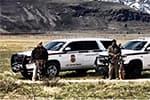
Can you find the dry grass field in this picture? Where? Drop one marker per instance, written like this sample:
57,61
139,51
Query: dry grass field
10,44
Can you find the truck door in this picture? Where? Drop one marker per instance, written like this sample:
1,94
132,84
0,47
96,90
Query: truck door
72,59
89,52
81,54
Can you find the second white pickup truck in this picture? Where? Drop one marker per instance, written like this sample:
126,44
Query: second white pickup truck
136,56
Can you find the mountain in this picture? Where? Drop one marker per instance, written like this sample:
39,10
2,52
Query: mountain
139,5
40,16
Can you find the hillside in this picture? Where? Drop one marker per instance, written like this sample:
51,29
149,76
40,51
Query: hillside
139,5
40,16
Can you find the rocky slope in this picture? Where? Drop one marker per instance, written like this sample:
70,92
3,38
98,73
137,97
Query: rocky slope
52,15
139,5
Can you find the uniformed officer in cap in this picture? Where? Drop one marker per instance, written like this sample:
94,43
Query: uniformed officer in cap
114,52
39,56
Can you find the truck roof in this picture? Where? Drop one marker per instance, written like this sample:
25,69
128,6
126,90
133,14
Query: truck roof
84,39
142,39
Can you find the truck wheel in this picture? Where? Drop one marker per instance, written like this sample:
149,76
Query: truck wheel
137,72
52,69
102,70
134,69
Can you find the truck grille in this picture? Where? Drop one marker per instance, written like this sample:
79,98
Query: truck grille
18,62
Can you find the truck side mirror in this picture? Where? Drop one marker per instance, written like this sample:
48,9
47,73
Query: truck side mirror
148,49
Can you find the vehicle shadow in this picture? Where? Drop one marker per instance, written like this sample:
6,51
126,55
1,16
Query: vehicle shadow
73,74
89,75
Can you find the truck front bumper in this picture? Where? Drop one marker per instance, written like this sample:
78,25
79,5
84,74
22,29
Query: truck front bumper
18,62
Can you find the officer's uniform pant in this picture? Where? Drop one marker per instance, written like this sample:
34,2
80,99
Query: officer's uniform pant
113,68
38,65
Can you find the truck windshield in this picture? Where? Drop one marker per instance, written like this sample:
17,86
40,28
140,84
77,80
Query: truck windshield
54,46
106,44
134,45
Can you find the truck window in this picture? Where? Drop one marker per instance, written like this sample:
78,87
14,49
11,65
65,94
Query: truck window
83,45
106,44
54,46
134,45
147,48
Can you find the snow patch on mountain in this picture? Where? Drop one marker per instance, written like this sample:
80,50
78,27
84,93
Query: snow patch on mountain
141,5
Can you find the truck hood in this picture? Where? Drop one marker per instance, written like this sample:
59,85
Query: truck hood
128,52
28,53
124,52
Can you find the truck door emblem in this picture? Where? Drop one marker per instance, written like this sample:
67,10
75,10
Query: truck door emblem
73,59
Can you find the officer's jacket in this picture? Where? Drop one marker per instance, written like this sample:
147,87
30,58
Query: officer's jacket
39,53
114,50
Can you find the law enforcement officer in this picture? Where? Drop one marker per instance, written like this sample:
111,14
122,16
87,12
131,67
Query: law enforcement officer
114,52
39,56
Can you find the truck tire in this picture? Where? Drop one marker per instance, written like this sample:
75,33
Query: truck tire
134,69
101,70
52,69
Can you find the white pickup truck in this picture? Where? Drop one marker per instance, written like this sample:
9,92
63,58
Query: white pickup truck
64,54
136,56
